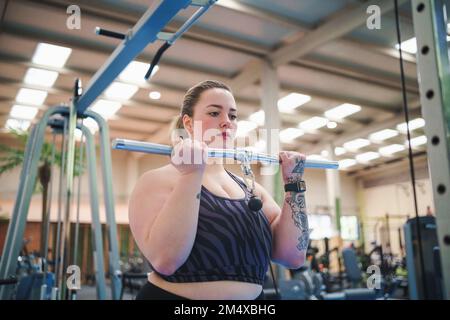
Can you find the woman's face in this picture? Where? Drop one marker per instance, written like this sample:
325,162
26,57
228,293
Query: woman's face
215,119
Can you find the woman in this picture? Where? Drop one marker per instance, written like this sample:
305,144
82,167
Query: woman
192,221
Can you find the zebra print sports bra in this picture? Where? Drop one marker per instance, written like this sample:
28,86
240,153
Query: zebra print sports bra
232,242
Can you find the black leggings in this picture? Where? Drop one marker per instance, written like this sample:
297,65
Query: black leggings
151,292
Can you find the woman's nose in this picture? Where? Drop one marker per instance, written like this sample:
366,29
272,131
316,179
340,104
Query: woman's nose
226,123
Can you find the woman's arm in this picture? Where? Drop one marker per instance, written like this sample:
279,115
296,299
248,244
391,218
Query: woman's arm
289,224
164,219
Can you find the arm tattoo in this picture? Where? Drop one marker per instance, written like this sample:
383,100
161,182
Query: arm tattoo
297,203
299,167
297,172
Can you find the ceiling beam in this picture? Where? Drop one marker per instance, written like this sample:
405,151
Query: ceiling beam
362,75
334,28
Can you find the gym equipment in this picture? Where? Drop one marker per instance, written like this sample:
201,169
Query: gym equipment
430,248
237,154
352,294
171,38
352,269
292,290
354,276
134,274
77,223
430,28
310,275
146,31
10,281
312,282
332,282
311,285
28,175
46,221
390,281
36,286
30,281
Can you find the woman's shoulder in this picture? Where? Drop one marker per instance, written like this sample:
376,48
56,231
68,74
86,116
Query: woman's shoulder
159,178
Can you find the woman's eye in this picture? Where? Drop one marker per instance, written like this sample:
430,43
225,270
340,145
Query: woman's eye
233,117
214,114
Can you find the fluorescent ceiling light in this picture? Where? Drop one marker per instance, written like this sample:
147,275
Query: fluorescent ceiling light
413,124
288,135
391,149
121,91
19,125
291,101
51,55
258,117
339,151
331,124
367,156
106,108
91,124
31,96
356,144
154,95
418,141
23,112
40,77
342,111
315,157
409,45
383,135
244,127
313,123
345,163
135,72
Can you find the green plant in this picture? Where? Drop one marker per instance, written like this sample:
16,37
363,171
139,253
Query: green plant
12,157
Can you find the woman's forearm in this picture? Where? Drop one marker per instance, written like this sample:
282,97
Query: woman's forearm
291,231
297,209
173,232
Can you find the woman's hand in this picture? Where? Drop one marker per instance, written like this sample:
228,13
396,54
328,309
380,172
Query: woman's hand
292,165
189,156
